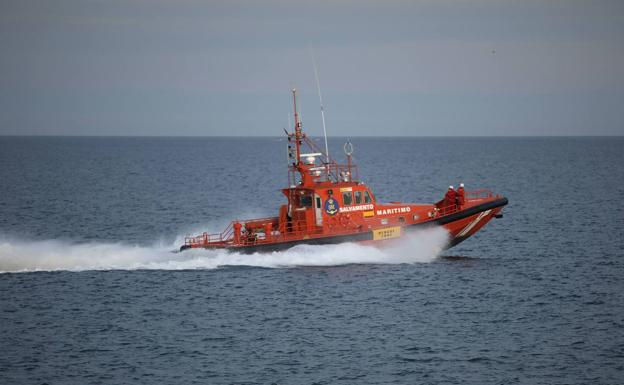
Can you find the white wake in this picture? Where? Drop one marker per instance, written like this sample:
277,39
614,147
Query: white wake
53,255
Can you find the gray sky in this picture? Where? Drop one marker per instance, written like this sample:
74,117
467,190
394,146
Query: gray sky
424,68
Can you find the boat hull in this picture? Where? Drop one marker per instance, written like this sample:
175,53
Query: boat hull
460,226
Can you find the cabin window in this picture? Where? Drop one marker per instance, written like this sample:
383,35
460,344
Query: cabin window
318,202
401,219
305,201
358,197
347,198
367,197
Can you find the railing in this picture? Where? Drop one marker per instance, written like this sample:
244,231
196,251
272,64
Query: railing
468,196
327,172
332,169
479,194
446,210
206,239
293,230
287,231
226,237
340,172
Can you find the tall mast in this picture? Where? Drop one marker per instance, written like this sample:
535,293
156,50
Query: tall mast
297,128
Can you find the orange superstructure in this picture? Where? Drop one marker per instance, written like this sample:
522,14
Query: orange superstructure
326,203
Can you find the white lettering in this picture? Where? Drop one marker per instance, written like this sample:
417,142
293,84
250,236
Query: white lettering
395,210
346,209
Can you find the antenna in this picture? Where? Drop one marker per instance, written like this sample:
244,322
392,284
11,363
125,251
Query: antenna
318,87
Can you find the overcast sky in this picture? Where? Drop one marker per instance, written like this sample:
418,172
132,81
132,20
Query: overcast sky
423,68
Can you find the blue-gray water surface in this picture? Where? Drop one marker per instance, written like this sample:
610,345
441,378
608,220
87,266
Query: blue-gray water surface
91,293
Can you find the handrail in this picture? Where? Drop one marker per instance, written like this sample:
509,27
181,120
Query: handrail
468,195
224,237
477,194
446,210
330,172
286,231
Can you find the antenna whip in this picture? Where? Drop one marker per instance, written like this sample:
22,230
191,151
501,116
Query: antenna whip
318,87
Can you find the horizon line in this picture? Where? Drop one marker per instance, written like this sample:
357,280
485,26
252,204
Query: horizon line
311,136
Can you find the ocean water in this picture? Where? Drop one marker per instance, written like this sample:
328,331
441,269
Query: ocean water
91,292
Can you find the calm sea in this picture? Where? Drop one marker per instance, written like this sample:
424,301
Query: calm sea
91,292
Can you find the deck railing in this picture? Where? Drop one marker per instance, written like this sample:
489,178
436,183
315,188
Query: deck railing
286,231
469,196
479,194
328,172
207,239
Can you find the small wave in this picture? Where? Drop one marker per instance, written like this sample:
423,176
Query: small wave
55,255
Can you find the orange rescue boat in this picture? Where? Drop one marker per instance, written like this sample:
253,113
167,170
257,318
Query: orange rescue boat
327,204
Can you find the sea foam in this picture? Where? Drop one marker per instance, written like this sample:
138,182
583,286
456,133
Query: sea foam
54,255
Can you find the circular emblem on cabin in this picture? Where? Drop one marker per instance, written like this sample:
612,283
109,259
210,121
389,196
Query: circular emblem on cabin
331,206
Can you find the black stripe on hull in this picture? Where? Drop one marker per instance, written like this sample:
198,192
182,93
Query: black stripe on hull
368,236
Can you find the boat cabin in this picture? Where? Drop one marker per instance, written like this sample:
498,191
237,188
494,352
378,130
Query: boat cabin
326,207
